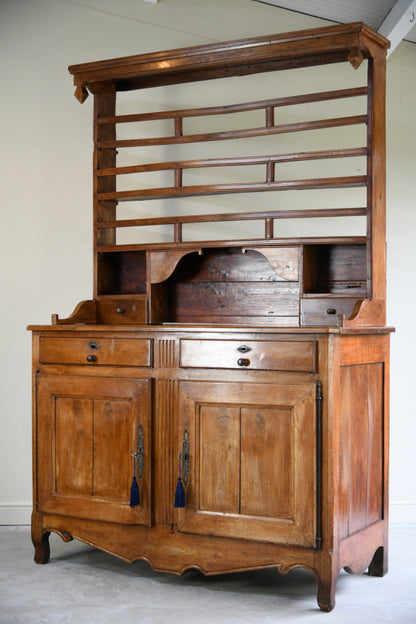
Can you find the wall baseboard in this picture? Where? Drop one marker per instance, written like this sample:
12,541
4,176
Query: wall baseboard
15,514
400,513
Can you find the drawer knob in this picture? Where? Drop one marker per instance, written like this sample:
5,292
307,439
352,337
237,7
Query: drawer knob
243,362
331,311
91,358
120,310
244,349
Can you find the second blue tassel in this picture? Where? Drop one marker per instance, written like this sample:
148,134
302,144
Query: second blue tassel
180,490
134,489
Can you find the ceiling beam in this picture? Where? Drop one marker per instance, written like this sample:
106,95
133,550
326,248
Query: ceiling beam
399,22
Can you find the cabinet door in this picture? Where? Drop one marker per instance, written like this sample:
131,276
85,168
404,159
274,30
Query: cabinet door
87,428
252,460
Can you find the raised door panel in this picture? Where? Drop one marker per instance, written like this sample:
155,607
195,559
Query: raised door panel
252,461
87,429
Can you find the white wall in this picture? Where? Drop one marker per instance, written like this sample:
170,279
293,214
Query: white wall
46,203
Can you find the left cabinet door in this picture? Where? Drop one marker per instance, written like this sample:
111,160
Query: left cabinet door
87,429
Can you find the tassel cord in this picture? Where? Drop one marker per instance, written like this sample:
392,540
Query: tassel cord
180,491
134,489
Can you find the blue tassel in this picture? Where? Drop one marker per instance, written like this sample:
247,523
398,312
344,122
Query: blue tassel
134,490
180,490
179,494
134,493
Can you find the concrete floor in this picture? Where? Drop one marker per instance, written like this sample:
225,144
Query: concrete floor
81,585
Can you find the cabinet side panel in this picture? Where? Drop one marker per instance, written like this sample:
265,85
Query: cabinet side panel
375,430
361,457
360,448
345,451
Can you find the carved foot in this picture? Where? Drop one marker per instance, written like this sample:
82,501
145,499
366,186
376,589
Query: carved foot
379,563
326,592
40,539
42,550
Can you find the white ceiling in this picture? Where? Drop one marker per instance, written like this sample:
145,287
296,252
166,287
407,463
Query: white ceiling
371,12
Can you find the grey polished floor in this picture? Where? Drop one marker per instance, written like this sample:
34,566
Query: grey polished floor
81,585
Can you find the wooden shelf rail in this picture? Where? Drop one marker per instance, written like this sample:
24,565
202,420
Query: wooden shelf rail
237,216
247,242
239,187
292,100
236,161
267,216
302,126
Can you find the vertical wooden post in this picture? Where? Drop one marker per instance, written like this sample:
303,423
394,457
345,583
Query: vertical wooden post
269,116
178,178
178,132
376,173
269,228
270,171
104,106
177,232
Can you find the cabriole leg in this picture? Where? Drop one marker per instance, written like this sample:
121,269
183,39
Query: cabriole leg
326,590
379,563
40,539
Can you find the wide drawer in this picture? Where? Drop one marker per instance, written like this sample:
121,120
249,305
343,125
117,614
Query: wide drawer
95,350
256,354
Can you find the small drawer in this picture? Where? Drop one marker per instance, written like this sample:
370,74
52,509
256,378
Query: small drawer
95,350
325,311
256,354
122,311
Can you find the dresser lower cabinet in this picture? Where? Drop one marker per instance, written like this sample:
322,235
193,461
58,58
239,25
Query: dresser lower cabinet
279,439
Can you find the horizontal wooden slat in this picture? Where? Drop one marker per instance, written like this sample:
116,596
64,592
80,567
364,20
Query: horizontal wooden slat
241,187
237,216
305,98
248,242
238,134
236,161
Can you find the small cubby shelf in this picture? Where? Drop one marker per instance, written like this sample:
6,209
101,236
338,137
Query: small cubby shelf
121,273
335,269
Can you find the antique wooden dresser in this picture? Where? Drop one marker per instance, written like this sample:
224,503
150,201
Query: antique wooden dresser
222,401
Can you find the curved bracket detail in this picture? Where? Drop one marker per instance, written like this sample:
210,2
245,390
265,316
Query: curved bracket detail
163,263
85,312
81,93
355,57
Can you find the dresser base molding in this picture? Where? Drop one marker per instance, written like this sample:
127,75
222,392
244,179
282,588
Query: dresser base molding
160,545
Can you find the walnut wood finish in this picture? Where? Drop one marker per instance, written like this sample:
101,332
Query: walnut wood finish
263,361
351,43
256,492
332,44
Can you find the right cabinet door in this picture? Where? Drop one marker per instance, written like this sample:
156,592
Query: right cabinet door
251,471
